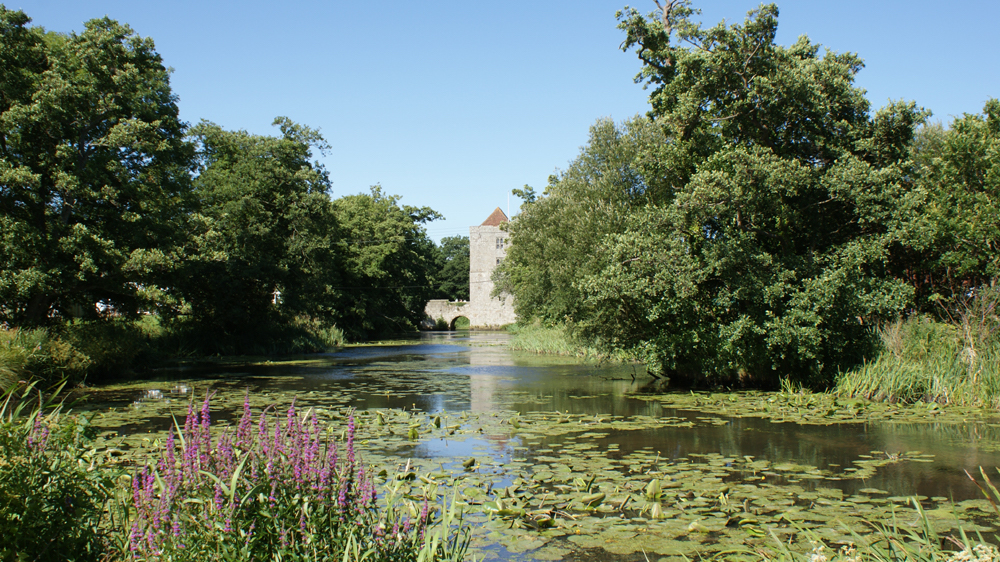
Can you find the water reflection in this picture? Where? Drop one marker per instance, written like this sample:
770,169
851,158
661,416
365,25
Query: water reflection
476,372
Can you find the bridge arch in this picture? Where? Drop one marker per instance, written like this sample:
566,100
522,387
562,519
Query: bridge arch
441,311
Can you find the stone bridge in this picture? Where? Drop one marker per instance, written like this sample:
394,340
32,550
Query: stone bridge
494,315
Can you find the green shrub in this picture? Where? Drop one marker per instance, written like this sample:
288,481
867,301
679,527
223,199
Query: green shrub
53,488
112,346
35,354
277,335
17,350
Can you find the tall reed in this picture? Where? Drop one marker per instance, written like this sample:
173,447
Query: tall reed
956,361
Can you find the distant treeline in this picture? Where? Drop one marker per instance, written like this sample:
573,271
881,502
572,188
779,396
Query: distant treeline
111,208
760,220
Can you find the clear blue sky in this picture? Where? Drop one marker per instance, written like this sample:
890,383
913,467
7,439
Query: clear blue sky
453,104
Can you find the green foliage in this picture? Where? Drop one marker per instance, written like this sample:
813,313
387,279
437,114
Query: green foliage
18,349
111,347
94,170
554,237
53,488
553,340
110,207
742,236
950,222
35,355
388,263
451,280
955,362
261,250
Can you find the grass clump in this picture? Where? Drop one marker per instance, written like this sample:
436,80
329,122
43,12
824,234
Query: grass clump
955,361
535,337
39,355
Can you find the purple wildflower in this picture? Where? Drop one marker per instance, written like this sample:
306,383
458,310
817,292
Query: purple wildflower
350,441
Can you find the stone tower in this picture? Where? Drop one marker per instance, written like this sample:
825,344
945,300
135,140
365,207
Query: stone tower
487,248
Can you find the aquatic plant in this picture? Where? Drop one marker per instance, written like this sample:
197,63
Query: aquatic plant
952,362
275,489
53,486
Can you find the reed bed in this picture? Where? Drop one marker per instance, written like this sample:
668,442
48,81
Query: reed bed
955,361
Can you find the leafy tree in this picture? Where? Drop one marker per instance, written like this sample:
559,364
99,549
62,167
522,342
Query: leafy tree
262,246
452,277
950,222
389,263
759,249
555,235
94,170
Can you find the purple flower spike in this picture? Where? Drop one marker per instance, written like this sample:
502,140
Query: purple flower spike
350,440
243,432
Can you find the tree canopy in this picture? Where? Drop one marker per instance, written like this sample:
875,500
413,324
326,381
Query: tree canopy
754,225
109,202
388,263
94,170
452,278
750,233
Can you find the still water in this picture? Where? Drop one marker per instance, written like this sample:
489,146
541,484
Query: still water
463,373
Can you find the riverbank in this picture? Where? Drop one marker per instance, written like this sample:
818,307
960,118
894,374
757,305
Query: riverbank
117,348
534,337
552,458
917,359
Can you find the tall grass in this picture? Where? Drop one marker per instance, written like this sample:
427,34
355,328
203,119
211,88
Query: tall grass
955,361
38,355
535,337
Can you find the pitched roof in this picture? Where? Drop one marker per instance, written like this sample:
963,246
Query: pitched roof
495,218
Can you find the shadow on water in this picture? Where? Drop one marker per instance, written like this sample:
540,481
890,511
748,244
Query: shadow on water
463,372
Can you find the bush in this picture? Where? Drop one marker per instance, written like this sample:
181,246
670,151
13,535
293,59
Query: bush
112,346
52,488
35,354
281,492
276,335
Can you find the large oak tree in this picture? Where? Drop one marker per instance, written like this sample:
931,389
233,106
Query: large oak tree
94,170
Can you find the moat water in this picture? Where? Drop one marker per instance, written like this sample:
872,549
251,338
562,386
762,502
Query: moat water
610,424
